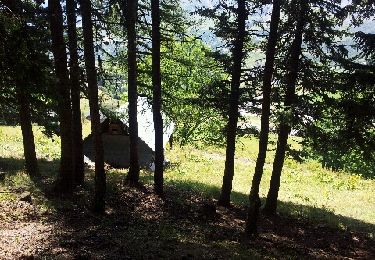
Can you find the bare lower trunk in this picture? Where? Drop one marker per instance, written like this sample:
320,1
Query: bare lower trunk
78,161
100,177
271,202
23,101
285,125
226,189
65,179
27,133
156,105
131,18
254,206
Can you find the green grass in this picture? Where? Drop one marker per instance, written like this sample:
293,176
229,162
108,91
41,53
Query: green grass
307,190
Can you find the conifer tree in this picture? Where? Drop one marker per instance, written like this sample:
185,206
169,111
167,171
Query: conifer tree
71,6
266,102
22,48
284,127
131,19
65,179
157,100
321,36
100,176
238,54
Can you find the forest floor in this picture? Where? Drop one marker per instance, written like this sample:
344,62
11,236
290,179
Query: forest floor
319,216
138,224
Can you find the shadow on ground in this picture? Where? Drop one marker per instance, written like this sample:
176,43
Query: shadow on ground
184,224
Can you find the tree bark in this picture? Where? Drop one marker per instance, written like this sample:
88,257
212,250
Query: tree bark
131,18
254,199
65,179
157,101
289,100
78,160
31,161
238,54
89,54
23,100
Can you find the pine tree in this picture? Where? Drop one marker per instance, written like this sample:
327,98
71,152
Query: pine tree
266,103
293,67
100,176
65,179
131,19
157,100
341,135
289,100
307,65
27,80
75,92
238,54
22,88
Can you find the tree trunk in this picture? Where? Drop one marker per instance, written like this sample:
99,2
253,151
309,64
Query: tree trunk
100,177
27,132
78,161
65,179
24,111
226,189
156,105
254,199
285,125
131,18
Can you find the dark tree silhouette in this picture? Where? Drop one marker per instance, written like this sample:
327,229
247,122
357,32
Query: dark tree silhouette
131,18
238,54
266,105
289,100
27,130
65,179
75,93
156,105
22,95
100,177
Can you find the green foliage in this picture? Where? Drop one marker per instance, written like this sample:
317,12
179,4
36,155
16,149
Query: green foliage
188,74
187,70
25,63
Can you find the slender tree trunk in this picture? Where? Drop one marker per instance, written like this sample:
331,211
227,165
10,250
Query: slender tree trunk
65,179
100,177
226,189
285,125
27,132
131,18
156,105
78,161
23,101
254,199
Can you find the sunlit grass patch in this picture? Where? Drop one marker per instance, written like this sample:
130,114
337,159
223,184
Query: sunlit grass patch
307,190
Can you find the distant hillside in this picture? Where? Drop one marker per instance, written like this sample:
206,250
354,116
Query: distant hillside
203,30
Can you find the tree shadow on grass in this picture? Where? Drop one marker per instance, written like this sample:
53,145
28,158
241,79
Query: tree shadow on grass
314,214
11,166
187,224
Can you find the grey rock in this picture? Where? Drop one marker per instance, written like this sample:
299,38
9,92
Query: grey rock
26,197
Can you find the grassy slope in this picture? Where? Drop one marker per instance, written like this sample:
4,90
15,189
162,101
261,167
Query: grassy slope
202,168
306,184
308,192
